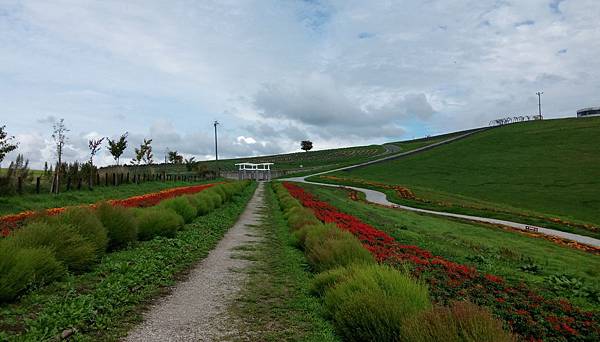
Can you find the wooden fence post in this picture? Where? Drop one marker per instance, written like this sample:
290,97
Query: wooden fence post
20,185
37,185
68,183
106,179
79,183
127,177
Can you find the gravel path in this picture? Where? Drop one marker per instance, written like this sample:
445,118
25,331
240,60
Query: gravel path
196,310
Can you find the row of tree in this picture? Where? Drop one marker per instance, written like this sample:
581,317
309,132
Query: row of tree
116,147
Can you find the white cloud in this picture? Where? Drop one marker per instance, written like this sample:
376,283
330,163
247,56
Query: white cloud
336,72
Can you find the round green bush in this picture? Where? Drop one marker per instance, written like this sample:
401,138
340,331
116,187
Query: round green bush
21,268
193,202
328,279
461,322
205,205
181,206
327,247
213,197
87,224
158,222
373,302
120,224
77,253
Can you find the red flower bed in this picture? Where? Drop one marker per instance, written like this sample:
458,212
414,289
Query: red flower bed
528,314
10,222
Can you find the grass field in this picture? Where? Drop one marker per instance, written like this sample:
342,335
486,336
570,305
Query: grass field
16,204
552,269
275,304
547,168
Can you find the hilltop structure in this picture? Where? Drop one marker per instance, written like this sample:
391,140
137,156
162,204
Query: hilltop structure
591,111
260,171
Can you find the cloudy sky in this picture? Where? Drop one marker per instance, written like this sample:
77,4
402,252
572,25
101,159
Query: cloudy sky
339,73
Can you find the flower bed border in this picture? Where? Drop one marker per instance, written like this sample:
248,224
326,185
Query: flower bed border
12,221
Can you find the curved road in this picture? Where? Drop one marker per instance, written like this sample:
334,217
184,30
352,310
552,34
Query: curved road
380,198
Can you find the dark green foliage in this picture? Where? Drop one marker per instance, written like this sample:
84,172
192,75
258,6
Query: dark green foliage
88,225
181,206
372,303
120,224
157,222
21,268
63,240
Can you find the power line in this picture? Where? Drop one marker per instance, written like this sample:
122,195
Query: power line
216,148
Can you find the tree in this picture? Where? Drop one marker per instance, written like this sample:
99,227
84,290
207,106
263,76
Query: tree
306,145
117,147
175,158
60,138
94,145
6,143
147,158
189,163
144,153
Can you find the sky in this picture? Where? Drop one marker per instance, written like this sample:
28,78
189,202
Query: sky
273,73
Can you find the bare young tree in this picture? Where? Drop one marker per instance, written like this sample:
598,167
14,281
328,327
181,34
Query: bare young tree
95,145
7,143
60,138
147,158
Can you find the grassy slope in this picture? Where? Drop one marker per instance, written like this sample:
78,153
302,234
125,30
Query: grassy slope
103,304
550,167
275,304
16,204
491,250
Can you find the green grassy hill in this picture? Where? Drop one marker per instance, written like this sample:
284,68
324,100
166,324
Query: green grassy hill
545,169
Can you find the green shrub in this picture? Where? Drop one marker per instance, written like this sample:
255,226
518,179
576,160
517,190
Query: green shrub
328,279
461,322
205,205
87,225
213,197
301,233
120,224
219,190
157,222
193,200
327,247
301,217
372,303
63,240
21,268
181,206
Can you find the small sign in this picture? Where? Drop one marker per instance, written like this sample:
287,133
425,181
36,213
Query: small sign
531,228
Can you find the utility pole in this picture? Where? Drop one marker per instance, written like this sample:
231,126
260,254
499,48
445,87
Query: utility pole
216,149
539,94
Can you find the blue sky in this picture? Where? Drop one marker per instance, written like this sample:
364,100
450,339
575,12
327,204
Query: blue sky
339,73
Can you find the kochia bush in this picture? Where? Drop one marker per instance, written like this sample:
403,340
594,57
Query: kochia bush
373,302
120,223
182,207
157,222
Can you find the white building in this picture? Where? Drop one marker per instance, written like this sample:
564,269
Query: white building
260,171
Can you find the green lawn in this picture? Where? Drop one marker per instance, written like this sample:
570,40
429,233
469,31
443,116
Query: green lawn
491,250
17,204
545,168
275,304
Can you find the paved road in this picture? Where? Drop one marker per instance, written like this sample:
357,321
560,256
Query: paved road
380,198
